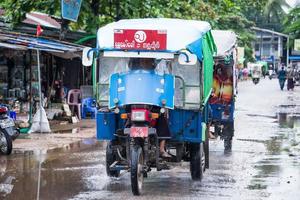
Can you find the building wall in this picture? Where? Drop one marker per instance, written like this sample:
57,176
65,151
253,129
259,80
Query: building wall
268,45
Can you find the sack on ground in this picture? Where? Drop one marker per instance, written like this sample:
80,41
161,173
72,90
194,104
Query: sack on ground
38,125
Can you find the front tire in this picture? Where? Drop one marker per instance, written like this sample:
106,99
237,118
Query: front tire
197,162
136,170
5,143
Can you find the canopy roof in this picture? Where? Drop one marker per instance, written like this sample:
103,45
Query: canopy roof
24,42
225,41
180,33
294,58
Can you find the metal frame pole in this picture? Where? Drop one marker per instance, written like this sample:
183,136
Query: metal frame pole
40,87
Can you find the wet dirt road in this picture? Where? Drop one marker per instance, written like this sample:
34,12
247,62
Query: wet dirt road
264,163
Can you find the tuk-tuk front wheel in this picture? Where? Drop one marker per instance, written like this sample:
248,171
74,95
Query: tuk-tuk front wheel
137,169
197,162
110,159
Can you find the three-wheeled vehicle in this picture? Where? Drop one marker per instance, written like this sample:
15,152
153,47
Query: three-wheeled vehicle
222,100
256,71
264,68
155,78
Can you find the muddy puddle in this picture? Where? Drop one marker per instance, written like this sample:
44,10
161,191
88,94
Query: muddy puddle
60,169
283,152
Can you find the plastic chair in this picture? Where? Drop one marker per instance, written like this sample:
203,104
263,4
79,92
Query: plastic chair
73,100
13,115
86,91
89,106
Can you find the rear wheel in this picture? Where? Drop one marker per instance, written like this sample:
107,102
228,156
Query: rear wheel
197,162
229,132
5,143
206,149
111,157
136,170
179,152
227,145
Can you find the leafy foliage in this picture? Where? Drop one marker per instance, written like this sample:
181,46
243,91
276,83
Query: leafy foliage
292,23
236,15
274,14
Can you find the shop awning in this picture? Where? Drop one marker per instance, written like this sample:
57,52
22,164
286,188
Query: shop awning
294,58
24,42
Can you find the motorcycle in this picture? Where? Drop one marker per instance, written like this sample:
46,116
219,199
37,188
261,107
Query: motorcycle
8,131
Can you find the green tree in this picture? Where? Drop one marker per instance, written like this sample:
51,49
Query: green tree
292,23
236,15
95,13
274,12
231,17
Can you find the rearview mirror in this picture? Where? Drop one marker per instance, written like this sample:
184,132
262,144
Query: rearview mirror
87,57
187,58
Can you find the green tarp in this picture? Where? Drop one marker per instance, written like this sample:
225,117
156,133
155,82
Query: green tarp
209,49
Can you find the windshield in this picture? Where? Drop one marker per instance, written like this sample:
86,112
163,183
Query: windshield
112,65
187,82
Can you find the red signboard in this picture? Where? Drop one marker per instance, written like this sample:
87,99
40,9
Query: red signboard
128,39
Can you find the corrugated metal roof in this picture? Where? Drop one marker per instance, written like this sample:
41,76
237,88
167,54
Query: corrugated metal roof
36,18
25,42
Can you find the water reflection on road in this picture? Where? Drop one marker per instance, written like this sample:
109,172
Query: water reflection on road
264,164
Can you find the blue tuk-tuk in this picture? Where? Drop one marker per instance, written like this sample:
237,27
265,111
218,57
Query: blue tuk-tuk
222,101
154,82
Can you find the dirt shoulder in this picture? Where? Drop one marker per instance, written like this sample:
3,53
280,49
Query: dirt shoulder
62,136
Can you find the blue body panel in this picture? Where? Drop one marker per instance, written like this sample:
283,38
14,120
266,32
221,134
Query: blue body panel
218,110
196,48
141,87
106,125
186,125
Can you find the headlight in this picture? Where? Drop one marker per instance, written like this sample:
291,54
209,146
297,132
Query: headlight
138,116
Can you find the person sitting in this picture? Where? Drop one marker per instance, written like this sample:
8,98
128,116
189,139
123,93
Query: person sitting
161,124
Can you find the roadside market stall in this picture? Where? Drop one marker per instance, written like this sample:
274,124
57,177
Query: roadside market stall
24,76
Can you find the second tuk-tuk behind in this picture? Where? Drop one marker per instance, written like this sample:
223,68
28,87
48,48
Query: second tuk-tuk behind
256,71
222,101
154,82
264,68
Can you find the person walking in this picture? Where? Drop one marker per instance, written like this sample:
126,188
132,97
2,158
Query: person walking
290,79
282,77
